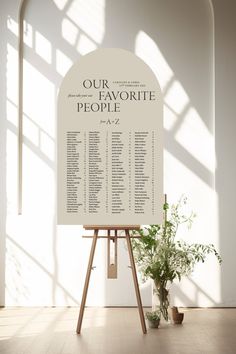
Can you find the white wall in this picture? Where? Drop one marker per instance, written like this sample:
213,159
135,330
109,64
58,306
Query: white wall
225,59
45,264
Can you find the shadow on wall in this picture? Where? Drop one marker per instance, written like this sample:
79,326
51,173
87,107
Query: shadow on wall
171,33
56,34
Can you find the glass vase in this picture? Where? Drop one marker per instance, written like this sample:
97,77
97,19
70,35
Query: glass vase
160,298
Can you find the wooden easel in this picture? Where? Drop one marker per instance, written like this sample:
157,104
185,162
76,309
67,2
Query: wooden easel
112,268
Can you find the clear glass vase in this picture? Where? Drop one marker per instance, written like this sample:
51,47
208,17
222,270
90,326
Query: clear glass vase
160,298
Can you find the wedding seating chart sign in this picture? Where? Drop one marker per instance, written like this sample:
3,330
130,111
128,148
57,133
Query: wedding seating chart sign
109,142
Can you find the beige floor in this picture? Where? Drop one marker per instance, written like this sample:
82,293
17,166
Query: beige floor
114,330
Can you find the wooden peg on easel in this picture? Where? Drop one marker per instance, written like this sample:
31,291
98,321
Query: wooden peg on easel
112,255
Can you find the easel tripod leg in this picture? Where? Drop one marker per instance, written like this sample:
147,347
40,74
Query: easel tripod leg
86,284
132,263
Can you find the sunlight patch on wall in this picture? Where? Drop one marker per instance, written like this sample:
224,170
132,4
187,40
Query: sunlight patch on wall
12,113
69,31
47,145
39,95
63,62
76,252
11,172
31,130
60,3
146,49
28,34
176,97
194,136
12,74
170,118
12,26
28,262
202,199
38,181
89,16
198,289
43,47
12,123
85,45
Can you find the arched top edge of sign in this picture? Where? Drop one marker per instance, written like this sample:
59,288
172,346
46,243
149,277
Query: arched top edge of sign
110,52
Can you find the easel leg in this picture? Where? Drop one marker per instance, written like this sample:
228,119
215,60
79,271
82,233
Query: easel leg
132,263
86,283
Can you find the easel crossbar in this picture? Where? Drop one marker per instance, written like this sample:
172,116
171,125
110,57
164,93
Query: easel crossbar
111,227
111,237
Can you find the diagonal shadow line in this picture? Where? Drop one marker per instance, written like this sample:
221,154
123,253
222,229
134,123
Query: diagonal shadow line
47,69
50,328
41,267
32,121
179,292
31,338
32,147
201,290
37,61
32,317
180,117
183,155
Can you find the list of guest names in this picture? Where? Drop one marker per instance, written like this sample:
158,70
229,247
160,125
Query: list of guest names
111,172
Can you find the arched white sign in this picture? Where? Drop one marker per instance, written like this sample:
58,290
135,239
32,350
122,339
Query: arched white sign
110,122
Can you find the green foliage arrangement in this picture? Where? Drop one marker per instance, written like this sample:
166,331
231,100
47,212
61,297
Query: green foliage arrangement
161,257
153,315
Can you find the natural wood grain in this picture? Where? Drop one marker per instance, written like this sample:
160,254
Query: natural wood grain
86,284
114,331
135,279
112,266
111,237
111,227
